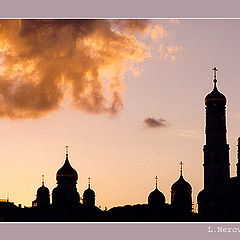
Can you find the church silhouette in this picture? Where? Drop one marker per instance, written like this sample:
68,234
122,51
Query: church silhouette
218,201
220,198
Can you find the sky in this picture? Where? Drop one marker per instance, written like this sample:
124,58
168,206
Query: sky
126,96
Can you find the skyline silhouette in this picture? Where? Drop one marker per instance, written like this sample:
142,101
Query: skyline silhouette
159,116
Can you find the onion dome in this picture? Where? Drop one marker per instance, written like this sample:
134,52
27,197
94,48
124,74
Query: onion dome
181,195
43,196
66,172
43,191
156,198
89,192
215,96
89,196
181,184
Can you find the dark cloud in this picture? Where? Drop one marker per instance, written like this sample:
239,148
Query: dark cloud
155,123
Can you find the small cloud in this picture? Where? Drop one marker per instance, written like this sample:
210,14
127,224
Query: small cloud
158,32
174,49
169,52
155,123
189,133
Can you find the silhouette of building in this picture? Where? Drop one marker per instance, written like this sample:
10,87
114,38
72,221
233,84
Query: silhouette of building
220,197
89,196
43,196
181,195
65,195
218,201
156,198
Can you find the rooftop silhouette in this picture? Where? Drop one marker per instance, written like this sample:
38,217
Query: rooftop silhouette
218,201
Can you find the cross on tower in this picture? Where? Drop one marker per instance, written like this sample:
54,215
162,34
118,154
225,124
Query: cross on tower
215,74
89,179
181,164
156,178
42,179
67,148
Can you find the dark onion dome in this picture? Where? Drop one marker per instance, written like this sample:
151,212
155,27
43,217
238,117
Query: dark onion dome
43,191
43,196
156,197
215,96
181,195
89,196
89,193
181,184
66,172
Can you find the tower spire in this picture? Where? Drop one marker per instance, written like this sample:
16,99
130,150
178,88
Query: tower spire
42,179
89,181
67,149
156,178
215,76
181,168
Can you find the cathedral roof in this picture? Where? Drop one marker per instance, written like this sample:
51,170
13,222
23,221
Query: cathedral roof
156,196
181,184
66,171
88,192
215,96
43,191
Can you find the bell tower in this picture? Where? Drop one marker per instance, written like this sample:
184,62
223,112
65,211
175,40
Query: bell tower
216,150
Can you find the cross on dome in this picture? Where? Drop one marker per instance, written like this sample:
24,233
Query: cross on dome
42,179
67,149
215,75
181,168
156,178
89,179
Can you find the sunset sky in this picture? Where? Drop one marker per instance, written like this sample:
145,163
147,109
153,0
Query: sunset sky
126,96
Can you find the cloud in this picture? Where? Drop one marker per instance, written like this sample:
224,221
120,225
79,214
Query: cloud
189,133
44,62
158,32
169,52
155,123
133,25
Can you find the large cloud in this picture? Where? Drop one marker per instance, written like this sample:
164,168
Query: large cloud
44,62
